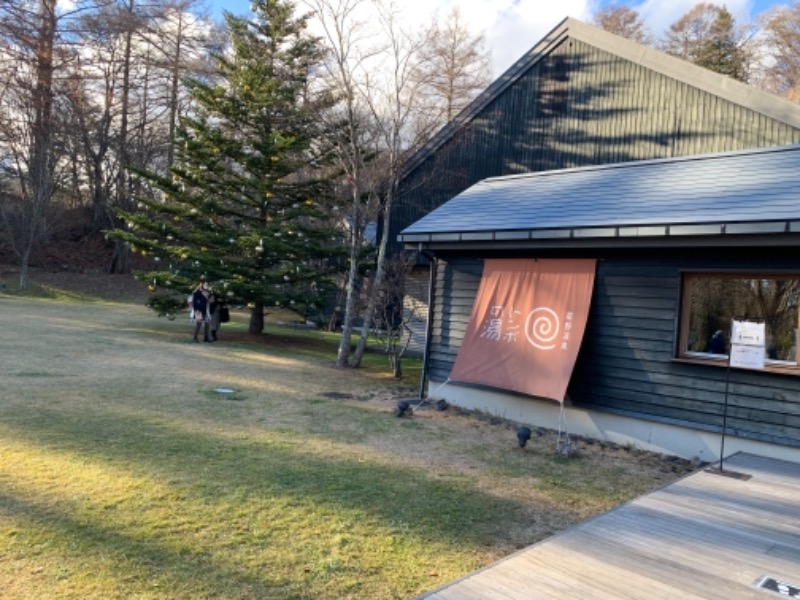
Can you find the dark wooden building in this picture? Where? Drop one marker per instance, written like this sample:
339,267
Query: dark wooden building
684,246
581,97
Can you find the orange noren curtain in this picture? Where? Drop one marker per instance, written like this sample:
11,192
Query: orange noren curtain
527,325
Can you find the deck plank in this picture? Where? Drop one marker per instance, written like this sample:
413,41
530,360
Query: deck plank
705,536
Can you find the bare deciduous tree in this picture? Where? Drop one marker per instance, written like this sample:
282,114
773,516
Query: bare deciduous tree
394,88
709,36
781,27
685,36
350,45
455,65
180,40
394,332
127,95
623,21
394,97
29,123
87,92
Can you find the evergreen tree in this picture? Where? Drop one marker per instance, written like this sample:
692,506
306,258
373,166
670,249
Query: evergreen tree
708,36
723,52
242,205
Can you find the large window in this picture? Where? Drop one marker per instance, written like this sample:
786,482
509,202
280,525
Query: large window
711,301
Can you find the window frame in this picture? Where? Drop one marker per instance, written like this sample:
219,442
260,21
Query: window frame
682,354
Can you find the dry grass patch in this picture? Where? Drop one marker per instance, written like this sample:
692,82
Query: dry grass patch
125,474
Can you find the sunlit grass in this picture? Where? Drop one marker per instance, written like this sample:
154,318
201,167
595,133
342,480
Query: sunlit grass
50,292
125,474
151,507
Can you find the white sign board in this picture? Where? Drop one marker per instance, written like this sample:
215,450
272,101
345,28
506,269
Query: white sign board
747,357
747,333
747,345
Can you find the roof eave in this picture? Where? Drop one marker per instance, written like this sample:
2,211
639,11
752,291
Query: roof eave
724,233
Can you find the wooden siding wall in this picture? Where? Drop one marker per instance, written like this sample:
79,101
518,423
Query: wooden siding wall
626,361
581,106
456,284
415,309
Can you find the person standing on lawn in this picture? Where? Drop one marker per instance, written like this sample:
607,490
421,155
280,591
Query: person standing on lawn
201,309
215,303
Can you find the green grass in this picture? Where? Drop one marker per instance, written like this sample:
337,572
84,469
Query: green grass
49,292
323,345
124,474
201,515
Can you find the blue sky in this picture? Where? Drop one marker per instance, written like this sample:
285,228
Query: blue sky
235,6
512,27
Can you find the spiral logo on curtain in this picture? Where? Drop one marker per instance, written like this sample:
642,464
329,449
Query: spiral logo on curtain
542,328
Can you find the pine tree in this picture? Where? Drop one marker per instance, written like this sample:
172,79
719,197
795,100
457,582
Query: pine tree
708,36
723,51
242,205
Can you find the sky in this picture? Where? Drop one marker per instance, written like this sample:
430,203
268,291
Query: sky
512,27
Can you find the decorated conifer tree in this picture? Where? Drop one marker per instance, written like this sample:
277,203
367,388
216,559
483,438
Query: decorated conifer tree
243,205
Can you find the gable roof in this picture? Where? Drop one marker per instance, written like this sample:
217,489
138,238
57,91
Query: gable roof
734,193
698,77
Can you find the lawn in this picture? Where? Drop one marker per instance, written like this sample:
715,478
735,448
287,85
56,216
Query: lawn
126,474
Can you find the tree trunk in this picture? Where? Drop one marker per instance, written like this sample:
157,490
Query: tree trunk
41,178
380,271
395,361
352,278
120,259
23,271
257,318
120,263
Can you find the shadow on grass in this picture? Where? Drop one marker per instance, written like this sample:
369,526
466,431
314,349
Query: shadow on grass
215,466
192,571
212,469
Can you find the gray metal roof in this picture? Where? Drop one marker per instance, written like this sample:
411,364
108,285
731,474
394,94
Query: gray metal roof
745,192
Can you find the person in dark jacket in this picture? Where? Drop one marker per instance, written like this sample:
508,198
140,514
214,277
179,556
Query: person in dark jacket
716,344
201,310
216,305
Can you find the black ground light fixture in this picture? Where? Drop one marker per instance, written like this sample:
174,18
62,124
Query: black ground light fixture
523,435
403,408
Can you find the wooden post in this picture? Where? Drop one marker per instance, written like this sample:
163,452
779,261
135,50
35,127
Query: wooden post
725,414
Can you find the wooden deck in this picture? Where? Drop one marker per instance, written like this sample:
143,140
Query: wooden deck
706,536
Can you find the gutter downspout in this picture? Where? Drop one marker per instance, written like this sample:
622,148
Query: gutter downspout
428,321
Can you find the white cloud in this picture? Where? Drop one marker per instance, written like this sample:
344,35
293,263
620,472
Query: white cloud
511,27
521,24
659,15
